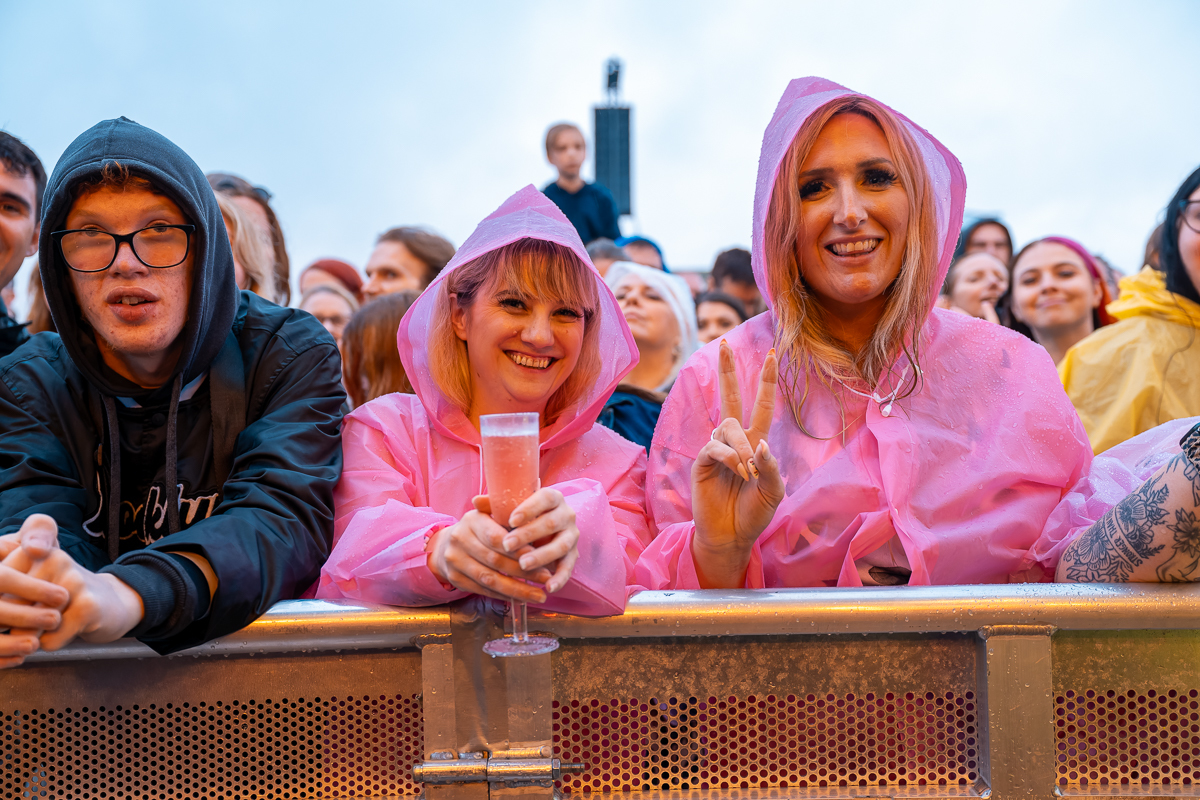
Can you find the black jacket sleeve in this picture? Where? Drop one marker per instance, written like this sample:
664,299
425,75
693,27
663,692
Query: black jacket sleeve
39,460
273,528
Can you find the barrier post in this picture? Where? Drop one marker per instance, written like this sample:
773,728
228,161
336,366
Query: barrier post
1017,731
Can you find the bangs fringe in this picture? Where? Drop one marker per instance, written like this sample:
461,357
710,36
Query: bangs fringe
534,269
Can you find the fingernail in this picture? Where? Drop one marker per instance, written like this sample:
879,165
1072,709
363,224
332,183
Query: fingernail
516,520
510,543
771,352
753,469
526,562
742,471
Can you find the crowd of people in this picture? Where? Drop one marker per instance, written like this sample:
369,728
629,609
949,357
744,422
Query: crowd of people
872,395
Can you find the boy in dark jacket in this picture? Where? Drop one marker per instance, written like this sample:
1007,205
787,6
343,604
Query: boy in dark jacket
169,459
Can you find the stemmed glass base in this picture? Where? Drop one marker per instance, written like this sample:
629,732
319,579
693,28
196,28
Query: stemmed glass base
520,643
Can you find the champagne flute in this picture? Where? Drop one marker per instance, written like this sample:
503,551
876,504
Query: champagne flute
510,465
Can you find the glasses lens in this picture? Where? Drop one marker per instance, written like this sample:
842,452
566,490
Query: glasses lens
161,247
88,251
1191,215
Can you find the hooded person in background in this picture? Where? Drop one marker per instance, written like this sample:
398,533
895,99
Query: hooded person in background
168,459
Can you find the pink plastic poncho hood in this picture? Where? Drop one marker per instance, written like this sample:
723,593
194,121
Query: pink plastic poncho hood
953,482
528,214
412,464
802,98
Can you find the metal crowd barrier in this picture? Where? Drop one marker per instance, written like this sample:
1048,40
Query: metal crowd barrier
924,692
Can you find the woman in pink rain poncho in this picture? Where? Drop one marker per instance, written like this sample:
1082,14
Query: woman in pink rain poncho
855,434
518,321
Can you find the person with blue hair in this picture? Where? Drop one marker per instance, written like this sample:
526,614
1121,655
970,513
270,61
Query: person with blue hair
643,251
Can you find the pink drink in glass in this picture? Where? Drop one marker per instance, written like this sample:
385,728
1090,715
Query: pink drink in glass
510,466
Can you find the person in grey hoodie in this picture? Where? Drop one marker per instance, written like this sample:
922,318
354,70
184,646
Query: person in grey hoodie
167,461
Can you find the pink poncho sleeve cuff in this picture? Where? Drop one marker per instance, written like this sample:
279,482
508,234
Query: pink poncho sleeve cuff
668,563
372,563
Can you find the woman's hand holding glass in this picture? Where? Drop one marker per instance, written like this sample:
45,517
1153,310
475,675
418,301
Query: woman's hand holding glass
736,485
480,556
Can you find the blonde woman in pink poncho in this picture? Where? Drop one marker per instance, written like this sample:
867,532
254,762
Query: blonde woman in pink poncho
855,434
518,321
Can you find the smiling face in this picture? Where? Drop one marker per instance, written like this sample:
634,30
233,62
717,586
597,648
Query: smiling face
990,238
520,348
978,279
1053,290
854,216
392,268
137,313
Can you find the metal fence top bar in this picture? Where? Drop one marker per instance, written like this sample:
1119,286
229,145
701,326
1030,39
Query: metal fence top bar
889,609
292,626
320,625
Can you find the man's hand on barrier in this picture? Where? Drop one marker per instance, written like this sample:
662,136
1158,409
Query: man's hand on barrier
470,556
736,485
28,605
102,608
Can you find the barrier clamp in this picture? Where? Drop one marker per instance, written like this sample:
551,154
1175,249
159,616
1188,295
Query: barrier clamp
525,766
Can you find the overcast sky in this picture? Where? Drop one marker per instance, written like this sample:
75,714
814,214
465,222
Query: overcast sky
1078,119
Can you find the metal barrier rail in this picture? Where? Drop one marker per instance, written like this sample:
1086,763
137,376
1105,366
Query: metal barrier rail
976,691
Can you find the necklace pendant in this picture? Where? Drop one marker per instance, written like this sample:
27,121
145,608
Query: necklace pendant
886,410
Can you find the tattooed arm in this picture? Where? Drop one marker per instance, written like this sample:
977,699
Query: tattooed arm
1152,536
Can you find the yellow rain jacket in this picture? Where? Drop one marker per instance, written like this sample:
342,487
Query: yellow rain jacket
1143,370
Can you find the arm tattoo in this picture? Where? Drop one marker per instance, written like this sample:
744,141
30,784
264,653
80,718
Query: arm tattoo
1185,545
1123,538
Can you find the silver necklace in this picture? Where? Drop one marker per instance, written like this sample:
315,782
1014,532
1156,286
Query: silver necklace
885,402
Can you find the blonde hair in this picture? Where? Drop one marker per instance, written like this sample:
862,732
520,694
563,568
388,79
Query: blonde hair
533,268
251,247
802,335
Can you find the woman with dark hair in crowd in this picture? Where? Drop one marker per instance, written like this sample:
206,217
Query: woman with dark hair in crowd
974,286
255,201
1140,372
717,314
857,434
519,321
371,365
988,235
1059,294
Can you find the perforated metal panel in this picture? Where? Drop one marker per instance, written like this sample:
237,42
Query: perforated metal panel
1127,736
348,747
673,743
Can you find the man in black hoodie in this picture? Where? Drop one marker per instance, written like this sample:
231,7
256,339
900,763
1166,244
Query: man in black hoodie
169,458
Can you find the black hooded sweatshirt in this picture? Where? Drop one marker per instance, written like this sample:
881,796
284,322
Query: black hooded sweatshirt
234,459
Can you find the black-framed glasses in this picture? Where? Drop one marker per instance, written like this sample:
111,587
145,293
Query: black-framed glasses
158,247
1191,215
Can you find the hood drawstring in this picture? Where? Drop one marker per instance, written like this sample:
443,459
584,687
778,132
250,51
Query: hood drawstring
113,529
173,458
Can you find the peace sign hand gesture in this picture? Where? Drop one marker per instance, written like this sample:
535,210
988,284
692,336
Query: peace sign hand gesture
736,485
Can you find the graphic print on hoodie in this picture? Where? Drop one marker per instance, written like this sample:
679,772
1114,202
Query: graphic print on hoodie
234,459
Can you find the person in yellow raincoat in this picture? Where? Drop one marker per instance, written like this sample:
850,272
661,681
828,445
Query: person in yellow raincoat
1145,370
